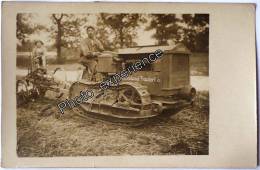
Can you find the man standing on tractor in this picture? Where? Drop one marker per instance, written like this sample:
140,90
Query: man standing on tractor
90,48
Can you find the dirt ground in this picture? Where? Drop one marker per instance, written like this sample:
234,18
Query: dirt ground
43,133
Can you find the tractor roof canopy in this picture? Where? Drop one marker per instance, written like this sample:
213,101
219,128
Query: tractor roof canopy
174,49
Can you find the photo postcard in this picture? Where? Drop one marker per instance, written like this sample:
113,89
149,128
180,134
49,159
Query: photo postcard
128,85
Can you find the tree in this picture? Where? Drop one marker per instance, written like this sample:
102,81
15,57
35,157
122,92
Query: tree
192,30
165,26
124,27
25,27
103,34
58,21
196,32
66,31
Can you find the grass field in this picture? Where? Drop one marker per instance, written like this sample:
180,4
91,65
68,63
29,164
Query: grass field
46,134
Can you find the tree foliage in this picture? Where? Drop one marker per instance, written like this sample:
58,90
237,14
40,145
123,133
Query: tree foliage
66,31
25,27
196,34
124,27
103,33
165,26
115,30
192,30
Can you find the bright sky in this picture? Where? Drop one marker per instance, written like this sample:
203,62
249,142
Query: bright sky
144,37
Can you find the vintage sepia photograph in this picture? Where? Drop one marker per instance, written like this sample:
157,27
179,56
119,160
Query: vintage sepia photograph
112,84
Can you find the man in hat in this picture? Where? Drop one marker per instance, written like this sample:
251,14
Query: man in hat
90,48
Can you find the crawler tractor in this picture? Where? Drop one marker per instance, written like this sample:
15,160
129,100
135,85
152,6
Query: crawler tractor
158,89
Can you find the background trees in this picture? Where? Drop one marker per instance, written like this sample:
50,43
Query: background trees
124,27
165,26
114,30
66,30
192,30
196,32
24,28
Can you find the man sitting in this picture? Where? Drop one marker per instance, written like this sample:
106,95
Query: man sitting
90,48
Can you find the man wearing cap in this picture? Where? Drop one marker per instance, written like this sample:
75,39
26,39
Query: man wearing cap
90,48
